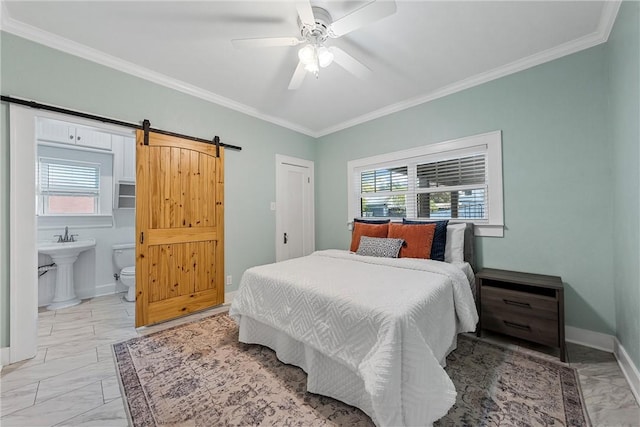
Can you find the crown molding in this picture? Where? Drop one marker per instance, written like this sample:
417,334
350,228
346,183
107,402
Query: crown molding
601,35
54,41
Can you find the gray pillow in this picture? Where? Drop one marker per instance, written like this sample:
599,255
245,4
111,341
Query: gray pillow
380,247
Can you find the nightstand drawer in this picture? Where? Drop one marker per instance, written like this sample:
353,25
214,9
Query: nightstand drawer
543,331
501,300
524,305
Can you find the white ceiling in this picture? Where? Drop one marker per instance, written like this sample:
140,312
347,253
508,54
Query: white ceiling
426,50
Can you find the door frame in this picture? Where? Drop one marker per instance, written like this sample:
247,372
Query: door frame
23,255
23,230
293,161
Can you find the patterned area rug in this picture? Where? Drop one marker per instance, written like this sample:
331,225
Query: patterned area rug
199,374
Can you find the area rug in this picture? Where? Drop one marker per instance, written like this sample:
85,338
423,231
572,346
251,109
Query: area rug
199,374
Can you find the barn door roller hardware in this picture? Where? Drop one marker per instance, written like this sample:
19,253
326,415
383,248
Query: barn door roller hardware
145,127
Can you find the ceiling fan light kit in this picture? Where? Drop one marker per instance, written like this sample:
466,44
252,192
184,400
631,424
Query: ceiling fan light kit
313,56
316,27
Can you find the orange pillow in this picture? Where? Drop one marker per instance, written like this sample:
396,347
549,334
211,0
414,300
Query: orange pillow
418,239
369,230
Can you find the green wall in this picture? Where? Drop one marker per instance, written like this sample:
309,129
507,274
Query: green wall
556,171
33,71
623,48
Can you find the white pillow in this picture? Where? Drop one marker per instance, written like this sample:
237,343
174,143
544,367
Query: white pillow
454,249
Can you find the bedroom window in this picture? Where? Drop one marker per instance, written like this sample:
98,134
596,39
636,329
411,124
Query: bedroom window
453,188
384,192
458,180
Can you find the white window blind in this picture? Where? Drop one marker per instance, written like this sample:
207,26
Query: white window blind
67,187
460,179
453,188
383,192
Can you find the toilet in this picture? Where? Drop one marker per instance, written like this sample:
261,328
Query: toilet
124,257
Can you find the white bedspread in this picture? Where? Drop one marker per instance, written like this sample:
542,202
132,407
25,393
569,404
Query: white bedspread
389,321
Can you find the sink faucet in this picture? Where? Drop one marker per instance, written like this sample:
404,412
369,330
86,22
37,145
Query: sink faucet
66,238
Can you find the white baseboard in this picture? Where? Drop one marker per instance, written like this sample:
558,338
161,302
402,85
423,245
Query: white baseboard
610,344
108,289
228,297
4,356
98,291
592,339
629,370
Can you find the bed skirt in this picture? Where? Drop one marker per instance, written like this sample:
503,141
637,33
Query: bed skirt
325,376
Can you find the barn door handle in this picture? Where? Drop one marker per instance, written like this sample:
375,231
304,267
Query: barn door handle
285,238
141,237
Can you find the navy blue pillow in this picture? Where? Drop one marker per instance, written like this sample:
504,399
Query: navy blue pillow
439,236
372,221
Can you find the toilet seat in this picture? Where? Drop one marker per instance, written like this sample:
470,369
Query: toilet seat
128,271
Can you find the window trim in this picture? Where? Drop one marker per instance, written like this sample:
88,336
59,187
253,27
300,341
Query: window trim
105,218
42,203
494,225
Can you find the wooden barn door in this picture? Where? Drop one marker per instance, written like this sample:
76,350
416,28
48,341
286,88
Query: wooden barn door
179,226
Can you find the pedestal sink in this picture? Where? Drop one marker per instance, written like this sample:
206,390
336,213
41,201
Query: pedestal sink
64,255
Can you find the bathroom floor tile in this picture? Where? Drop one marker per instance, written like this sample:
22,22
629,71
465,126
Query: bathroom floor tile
59,351
105,352
20,398
37,360
110,389
44,330
61,316
110,314
106,301
63,383
58,409
18,378
71,324
83,332
84,306
111,414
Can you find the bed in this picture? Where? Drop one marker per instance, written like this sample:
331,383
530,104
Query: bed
372,332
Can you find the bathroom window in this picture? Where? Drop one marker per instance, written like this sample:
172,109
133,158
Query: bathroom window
73,187
67,187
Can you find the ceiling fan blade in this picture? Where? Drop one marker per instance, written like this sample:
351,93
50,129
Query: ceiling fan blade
367,14
298,77
305,12
350,63
265,42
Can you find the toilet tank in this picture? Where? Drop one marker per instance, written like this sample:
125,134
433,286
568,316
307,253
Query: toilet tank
124,255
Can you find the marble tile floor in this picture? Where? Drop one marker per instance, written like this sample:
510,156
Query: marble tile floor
72,379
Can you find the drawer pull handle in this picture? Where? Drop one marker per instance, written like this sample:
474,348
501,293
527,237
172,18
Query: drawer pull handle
517,325
517,303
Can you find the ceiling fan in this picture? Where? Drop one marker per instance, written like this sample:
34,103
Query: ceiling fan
316,26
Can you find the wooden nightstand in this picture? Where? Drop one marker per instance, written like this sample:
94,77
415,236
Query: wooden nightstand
522,305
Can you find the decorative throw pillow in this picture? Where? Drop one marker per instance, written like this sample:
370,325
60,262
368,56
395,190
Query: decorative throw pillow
373,220
454,251
380,247
418,239
439,237
370,230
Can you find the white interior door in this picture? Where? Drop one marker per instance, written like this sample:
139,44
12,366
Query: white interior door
295,224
